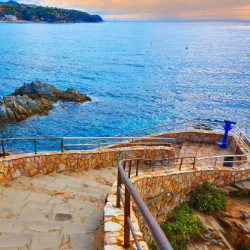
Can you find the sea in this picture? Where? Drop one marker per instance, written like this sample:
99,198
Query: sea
138,74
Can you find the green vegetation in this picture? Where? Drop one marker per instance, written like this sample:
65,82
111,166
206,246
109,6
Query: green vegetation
244,247
153,245
46,14
239,194
180,226
207,199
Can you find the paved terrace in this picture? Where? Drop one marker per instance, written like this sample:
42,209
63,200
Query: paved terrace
55,211
64,210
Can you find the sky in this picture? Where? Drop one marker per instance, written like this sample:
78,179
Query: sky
157,9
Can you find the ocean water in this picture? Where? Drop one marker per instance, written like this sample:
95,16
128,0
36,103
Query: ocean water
138,74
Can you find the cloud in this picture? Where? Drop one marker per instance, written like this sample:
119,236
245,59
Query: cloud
132,9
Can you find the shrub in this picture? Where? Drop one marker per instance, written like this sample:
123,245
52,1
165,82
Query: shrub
153,245
244,247
207,199
181,226
239,194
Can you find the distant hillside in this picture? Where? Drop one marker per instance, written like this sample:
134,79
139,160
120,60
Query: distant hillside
45,14
10,2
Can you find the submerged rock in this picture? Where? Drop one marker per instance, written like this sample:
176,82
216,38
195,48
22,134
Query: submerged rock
35,98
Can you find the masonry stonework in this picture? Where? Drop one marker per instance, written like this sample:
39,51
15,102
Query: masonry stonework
43,163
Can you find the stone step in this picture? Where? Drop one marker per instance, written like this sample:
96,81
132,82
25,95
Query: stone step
64,187
84,182
15,240
40,200
65,177
55,211
43,241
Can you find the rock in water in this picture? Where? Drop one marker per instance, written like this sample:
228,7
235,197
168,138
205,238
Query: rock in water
35,98
39,89
72,95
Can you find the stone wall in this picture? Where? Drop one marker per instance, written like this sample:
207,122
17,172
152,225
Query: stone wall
193,136
205,136
46,162
152,185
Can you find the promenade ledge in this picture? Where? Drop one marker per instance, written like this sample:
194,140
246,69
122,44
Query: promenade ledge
68,199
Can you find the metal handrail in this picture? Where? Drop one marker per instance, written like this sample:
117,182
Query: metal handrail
220,156
98,143
85,138
156,230
122,178
242,137
194,122
216,157
101,141
216,125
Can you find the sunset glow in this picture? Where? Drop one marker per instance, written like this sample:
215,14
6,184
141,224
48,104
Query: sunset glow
158,9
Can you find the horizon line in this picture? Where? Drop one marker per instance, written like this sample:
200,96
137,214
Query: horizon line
176,20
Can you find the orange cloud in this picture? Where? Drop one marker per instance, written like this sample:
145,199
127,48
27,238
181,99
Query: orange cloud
239,12
134,9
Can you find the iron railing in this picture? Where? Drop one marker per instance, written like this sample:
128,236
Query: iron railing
90,143
193,124
216,126
130,191
154,227
222,159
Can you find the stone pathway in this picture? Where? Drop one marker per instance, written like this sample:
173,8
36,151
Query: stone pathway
54,211
202,149
64,210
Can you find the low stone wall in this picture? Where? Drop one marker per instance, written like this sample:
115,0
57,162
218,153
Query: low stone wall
193,136
46,162
205,136
151,185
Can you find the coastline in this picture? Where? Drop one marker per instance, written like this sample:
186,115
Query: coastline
18,21
23,21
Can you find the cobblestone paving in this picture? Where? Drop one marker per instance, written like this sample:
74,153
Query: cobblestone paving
203,149
55,211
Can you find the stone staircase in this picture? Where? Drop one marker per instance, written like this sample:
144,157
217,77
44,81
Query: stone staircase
55,211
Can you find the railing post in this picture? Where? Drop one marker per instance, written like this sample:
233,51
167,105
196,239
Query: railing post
181,163
152,165
126,215
35,145
3,149
215,162
137,165
118,196
124,165
129,170
99,144
194,163
62,145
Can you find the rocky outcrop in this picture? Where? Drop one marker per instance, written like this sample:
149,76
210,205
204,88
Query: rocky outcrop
35,98
38,89
228,229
